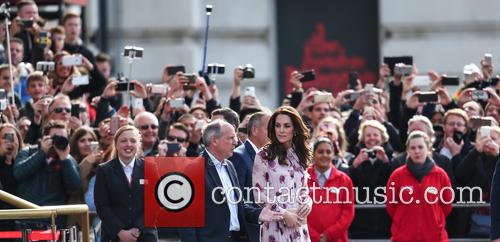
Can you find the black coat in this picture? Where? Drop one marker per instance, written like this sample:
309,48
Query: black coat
119,205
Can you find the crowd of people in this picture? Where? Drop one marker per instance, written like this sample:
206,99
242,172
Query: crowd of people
67,141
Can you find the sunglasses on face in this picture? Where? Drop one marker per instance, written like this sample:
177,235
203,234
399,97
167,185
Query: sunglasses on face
60,110
146,126
178,139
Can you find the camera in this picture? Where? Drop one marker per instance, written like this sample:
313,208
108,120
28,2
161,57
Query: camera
159,89
216,68
479,95
60,142
478,122
391,61
94,146
353,80
372,154
248,71
485,131
27,23
45,66
133,52
402,69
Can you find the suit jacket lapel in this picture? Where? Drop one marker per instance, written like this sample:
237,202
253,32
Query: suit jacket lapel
213,176
250,151
120,174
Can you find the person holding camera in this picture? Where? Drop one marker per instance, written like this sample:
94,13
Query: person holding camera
176,141
48,175
11,143
455,143
476,170
369,170
419,195
118,194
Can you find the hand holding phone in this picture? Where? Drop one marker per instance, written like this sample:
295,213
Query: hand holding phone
309,75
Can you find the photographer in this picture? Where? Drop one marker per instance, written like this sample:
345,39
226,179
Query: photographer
476,170
37,88
370,169
177,138
48,175
26,26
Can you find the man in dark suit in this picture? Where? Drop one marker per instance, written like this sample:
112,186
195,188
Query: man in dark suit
225,213
243,157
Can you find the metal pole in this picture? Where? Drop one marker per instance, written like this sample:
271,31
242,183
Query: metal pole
9,57
205,49
16,201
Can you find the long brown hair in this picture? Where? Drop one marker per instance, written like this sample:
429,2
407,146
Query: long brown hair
300,138
73,141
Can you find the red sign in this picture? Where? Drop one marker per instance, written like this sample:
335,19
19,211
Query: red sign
174,192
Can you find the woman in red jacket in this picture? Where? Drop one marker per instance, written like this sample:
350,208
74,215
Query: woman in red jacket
332,194
419,195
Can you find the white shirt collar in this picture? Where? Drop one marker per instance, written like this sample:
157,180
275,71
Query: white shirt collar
216,162
131,164
327,172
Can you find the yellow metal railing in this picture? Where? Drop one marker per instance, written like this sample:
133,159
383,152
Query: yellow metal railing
28,210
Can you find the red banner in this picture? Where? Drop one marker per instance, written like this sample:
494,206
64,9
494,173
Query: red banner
174,192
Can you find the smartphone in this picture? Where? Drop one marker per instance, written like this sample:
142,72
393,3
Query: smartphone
114,124
488,58
45,66
479,122
177,103
421,81
80,80
122,86
75,110
133,52
479,95
3,94
94,146
458,136
188,87
485,131
309,75
172,70
173,148
199,124
353,80
249,91
27,23
391,61
403,70
159,89
324,97
354,95
72,60
137,102
9,137
450,81
427,97
368,110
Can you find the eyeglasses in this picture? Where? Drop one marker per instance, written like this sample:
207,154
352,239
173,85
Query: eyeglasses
146,126
60,110
178,139
458,124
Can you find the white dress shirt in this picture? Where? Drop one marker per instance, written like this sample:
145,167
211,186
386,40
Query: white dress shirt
128,169
221,167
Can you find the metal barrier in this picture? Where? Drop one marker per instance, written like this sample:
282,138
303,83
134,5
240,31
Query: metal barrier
30,210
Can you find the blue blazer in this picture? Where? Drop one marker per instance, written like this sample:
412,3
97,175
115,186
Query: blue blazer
217,216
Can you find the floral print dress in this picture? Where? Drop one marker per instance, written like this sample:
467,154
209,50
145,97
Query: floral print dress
285,187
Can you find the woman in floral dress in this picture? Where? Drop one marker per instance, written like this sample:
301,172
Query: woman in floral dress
279,177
